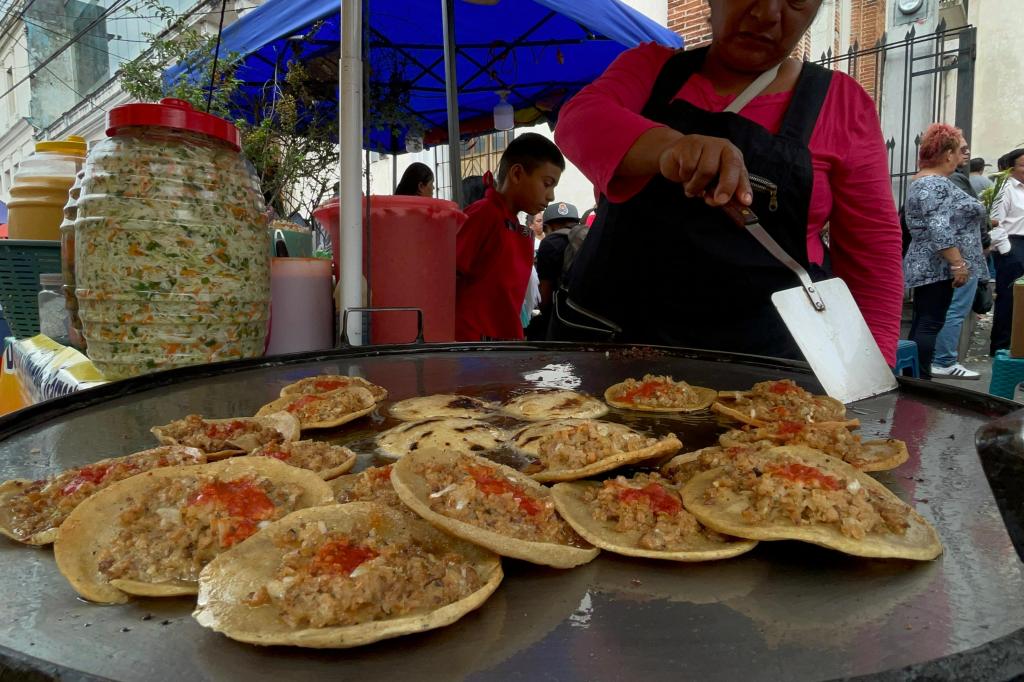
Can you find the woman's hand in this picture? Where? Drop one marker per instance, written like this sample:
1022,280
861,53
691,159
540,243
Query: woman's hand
695,160
961,274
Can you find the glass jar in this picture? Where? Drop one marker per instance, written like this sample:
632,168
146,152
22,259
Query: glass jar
172,256
53,318
67,263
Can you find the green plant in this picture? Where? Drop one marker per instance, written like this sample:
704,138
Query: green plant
290,141
990,195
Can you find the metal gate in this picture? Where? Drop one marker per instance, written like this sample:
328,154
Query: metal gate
931,74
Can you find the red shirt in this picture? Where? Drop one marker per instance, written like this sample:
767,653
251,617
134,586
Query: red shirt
852,191
493,259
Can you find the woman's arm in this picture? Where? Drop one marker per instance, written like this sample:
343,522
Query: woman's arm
603,133
865,236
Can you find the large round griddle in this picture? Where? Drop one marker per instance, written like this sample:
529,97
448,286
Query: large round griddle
785,611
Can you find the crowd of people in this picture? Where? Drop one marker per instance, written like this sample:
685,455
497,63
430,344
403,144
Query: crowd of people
668,138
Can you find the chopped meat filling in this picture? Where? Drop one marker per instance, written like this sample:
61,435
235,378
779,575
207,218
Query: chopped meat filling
44,504
588,442
370,485
657,391
832,439
326,407
651,506
328,382
783,400
210,436
486,497
173,533
332,579
784,489
313,455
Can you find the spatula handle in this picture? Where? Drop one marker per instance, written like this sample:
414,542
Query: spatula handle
744,217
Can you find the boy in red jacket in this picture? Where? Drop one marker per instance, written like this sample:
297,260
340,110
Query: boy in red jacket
493,251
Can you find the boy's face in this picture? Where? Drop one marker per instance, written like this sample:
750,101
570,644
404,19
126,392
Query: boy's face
534,191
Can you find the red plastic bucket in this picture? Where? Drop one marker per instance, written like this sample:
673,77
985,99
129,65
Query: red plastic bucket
412,264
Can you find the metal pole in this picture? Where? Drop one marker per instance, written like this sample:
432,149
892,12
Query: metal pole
451,88
350,105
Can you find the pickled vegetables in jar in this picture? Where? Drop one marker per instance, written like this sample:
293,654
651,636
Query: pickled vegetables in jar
172,257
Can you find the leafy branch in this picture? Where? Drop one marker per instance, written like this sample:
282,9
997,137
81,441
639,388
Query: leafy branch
287,135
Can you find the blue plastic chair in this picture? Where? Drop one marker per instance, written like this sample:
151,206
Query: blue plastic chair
906,359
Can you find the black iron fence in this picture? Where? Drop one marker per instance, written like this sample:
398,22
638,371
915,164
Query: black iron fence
930,73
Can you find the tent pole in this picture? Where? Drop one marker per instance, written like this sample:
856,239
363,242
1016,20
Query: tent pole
451,87
350,276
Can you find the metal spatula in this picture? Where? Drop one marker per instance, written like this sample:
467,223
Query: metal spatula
826,323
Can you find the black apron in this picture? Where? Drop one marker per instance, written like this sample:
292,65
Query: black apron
666,269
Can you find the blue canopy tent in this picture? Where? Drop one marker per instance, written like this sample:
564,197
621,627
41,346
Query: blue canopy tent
440,63
540,51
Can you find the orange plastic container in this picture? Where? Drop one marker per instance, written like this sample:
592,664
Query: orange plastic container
40,188
411,243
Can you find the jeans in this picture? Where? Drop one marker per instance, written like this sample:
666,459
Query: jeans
947,343
931,302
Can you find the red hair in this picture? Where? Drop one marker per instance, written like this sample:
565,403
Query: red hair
938,139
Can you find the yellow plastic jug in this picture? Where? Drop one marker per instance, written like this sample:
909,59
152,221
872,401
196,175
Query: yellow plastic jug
40,188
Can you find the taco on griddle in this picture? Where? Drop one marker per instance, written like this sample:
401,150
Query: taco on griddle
442,405
32,511
342,576
327,460
559,404
325,383
456,434
570,449
796,493
783,400
641,516
659,394
489,504
220,438
832,438
152,534
324,410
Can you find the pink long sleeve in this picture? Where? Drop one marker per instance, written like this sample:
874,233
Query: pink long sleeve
851,190
866,242
597,127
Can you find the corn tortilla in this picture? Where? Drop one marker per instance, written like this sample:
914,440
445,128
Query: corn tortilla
561,404
96,522
284,423
575,509
414,491
528,440
919,542
705,398
308,386
228,581
339,414
10,490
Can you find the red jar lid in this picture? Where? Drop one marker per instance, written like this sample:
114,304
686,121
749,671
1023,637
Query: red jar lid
172,113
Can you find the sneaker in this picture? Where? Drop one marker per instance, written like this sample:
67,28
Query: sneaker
955,371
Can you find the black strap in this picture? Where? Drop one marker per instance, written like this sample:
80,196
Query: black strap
799,121
808,95
675,72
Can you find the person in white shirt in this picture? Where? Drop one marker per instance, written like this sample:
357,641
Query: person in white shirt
1008,212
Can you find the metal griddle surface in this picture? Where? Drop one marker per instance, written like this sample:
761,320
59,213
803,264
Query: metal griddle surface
785,611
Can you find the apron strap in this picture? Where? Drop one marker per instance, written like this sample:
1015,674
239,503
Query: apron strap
808,96
673,75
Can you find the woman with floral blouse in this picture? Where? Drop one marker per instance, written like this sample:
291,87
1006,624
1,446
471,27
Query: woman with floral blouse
946,247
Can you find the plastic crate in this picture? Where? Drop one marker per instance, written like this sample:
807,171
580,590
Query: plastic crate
1007,372
21,263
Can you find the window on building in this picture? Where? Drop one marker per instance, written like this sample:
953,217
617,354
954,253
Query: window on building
12,105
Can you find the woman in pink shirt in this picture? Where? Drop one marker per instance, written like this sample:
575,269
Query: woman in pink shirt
662,263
